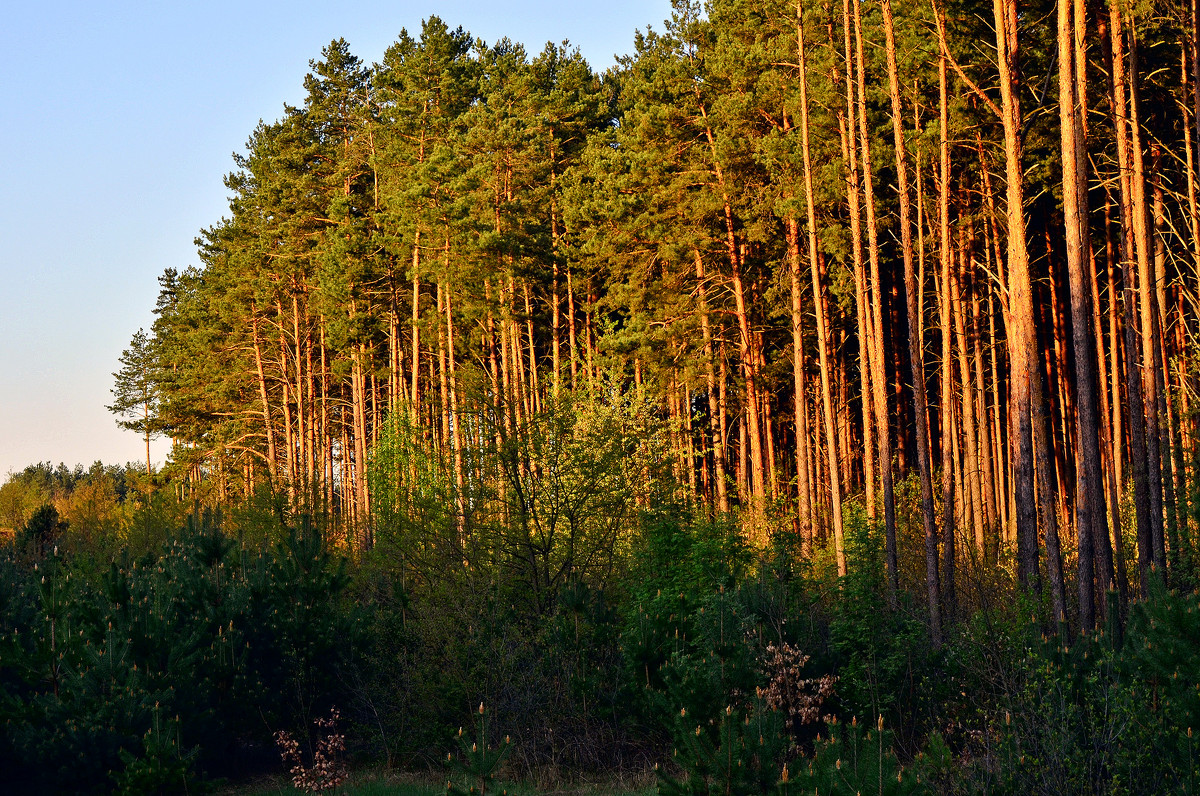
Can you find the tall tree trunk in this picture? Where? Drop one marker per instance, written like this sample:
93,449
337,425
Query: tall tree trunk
945,256
987,458
1144,505
1002,445
723,402
971,429
800,388
1162,362
1188,440
521,399
359,434
1116,424
1102,543
754,476
768,424
555,303
835,487
1114,344
847,129
1048,491
289,436
948,434
879,379
1023,357
916,356
1090,515
416,322
734,252
572,342
535,389
325,435
1152,367
443,370
456,440
268,426
716,429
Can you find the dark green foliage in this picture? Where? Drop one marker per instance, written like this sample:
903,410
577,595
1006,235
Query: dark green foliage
1162,642
882,657
41,534
162,767
686,627
555,682
700,642
168,667
180,664
1104,714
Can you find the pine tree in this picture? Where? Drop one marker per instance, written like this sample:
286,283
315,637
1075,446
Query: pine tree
136,393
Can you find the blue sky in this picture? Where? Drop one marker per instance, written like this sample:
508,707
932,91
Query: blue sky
118,124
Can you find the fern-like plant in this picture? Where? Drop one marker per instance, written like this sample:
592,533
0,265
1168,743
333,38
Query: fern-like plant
742,754
477,762
853,761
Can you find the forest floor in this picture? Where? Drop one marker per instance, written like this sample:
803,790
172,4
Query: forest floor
378,782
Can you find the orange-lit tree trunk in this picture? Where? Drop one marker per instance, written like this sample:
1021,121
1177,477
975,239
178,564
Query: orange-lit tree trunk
835,488
879,378
916,356
1022,337
1090,515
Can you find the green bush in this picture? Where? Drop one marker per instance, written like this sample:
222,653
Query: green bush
739,753
173,665
853,760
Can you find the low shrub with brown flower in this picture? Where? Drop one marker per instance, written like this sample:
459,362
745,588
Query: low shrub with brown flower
328,769
799,698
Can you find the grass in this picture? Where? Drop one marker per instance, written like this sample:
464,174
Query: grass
362,783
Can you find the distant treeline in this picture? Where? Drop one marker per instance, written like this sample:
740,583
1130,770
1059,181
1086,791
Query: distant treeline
93,501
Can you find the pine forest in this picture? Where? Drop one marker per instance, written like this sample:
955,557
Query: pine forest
810,403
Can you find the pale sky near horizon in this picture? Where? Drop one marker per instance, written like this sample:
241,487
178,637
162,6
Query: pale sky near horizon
118,124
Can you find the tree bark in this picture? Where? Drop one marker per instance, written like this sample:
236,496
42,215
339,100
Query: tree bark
916,356
1090,515
716,432
879,379
1022,334
1139,454
945,256
835,487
